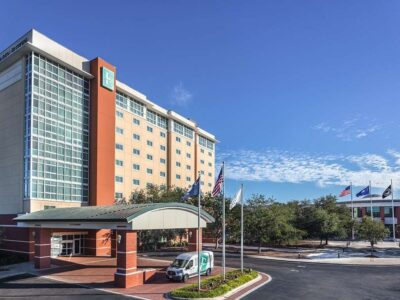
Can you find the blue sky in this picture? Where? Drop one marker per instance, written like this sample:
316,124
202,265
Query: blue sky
303,95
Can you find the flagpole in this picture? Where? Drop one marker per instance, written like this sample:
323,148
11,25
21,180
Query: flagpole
223,222
198,237
241,233
352,211
370,198
394,226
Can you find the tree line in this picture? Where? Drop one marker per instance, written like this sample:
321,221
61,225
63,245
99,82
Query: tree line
267,222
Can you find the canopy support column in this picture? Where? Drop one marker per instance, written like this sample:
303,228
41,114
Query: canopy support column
127,274
42,248
193,244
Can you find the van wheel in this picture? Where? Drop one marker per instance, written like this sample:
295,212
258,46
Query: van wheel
185,278
208,272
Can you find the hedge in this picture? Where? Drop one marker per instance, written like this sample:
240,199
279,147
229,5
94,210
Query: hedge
215,286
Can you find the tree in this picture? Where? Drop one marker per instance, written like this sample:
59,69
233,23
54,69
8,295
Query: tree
372,231
151,239
267,221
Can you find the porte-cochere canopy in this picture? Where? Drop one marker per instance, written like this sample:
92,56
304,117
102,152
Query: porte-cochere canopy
123,217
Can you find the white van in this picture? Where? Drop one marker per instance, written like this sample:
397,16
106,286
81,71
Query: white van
185,265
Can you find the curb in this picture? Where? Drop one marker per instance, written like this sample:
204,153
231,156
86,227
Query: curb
256,287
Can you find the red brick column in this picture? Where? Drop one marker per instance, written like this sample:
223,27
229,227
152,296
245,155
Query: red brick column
113,243
127,274
363,212
382,213
42,248
193,243
98,242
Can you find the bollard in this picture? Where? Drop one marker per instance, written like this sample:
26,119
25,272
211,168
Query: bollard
338,254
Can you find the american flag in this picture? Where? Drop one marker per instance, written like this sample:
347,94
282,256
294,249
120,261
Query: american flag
218,184
346,191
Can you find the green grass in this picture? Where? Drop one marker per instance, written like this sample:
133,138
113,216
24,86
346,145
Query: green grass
215,286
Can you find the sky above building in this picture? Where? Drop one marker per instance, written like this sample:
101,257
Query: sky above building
304,96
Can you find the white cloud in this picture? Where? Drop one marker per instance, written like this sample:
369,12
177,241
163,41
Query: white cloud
349,130
323,170
180,96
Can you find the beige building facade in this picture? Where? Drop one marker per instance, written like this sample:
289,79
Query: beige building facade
155,146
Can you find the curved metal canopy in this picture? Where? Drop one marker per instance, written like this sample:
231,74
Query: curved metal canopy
130,217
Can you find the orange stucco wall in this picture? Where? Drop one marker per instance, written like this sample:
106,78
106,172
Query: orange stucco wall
102,137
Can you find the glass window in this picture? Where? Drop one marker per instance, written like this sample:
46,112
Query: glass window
149,157
188,143
150,143
119,146
119,163
178,176
136,182
136,151
57,105
188,155
136,137
178,151
149,129
119,130
162,174
178,139
119,114
178,164
118,195
388,211
162,147
149,171
162,134
119,179
375,211
136,121
136,167
162,160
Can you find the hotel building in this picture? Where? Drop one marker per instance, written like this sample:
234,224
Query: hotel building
73,135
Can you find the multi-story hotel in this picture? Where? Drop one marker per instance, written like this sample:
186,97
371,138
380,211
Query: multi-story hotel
72,135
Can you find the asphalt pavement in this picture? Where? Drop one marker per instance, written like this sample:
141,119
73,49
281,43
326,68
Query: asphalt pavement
315,281
290,280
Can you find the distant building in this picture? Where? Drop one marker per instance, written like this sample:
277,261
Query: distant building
381,210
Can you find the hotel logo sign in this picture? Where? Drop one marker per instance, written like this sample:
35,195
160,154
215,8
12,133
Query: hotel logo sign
107,78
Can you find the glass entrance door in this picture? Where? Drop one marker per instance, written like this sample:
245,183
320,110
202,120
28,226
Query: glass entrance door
67,244
66,248
77,246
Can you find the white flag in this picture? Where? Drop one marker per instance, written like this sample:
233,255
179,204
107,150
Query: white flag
237,198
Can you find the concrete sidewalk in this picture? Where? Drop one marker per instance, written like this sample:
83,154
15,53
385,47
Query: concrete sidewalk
344,261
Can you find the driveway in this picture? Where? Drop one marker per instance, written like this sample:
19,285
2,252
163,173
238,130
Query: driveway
28,286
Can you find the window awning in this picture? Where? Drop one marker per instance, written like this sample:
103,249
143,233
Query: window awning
123,217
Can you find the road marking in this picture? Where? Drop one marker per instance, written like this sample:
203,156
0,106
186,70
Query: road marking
301,266
293,270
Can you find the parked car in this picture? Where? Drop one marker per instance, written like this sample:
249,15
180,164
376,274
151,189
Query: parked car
185,265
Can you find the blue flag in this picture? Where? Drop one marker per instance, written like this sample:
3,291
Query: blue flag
193,191
363,192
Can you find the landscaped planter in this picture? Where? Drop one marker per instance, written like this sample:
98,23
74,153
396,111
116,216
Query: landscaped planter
215,287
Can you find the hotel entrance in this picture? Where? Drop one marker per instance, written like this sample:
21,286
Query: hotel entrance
67,244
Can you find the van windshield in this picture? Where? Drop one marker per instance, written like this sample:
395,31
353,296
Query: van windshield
179,263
